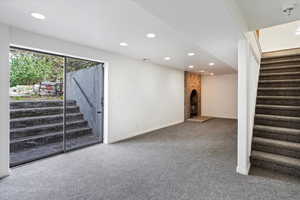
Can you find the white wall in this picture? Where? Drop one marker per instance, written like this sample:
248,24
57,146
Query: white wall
4,84
280,37
248,73
219,96
141,96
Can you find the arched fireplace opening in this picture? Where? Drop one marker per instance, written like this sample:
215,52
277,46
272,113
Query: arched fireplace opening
194,103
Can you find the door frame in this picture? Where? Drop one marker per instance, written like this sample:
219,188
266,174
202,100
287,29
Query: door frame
105,92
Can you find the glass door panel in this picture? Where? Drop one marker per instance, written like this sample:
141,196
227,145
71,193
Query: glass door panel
83,97
36,105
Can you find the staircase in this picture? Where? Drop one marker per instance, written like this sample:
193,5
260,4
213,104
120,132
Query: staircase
276,133
36,129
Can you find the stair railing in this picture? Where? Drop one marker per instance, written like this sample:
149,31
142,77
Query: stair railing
83,93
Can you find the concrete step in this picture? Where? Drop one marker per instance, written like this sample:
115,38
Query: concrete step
40,104
279,100
285,148
278,163
43,120
279,76
41,151
292,111
278,91
32,112
277,121
279,83
44,129
288,68
285,134
32,142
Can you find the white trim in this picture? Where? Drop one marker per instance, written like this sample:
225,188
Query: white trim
147,131
220,117
106,104
4,100
258,44
243,118
6,175
255,48
243,170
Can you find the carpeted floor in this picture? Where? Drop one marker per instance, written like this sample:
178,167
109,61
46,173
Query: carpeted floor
190,161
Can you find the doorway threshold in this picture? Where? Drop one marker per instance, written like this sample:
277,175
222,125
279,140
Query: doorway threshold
200,119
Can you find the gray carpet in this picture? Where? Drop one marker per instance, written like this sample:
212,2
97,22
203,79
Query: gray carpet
190,161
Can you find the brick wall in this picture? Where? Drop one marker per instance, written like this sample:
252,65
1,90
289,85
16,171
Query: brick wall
192,81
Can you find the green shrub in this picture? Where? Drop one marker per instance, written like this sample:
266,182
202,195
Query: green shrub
30,69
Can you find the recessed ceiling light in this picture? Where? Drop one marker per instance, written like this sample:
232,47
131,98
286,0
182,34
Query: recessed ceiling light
167,58
211,74
38,16
191,66
201,71
191,54
123,44
151,35
211,64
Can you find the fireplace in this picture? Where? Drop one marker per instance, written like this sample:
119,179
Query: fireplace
192,95
194,103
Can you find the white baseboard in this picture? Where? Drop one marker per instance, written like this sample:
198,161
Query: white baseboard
145,132
5,175
220,117
243,170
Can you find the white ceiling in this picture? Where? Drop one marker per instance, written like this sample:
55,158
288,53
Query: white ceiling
265,13
211,25
209,28
180,28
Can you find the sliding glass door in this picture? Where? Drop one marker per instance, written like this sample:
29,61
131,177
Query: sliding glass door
55,104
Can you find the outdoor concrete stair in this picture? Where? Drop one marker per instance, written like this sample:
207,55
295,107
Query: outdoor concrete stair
276,131
283,164
30,142
279,133
40,151
285,148
36,124
31,112
40,104
40,120
281,110
44,129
